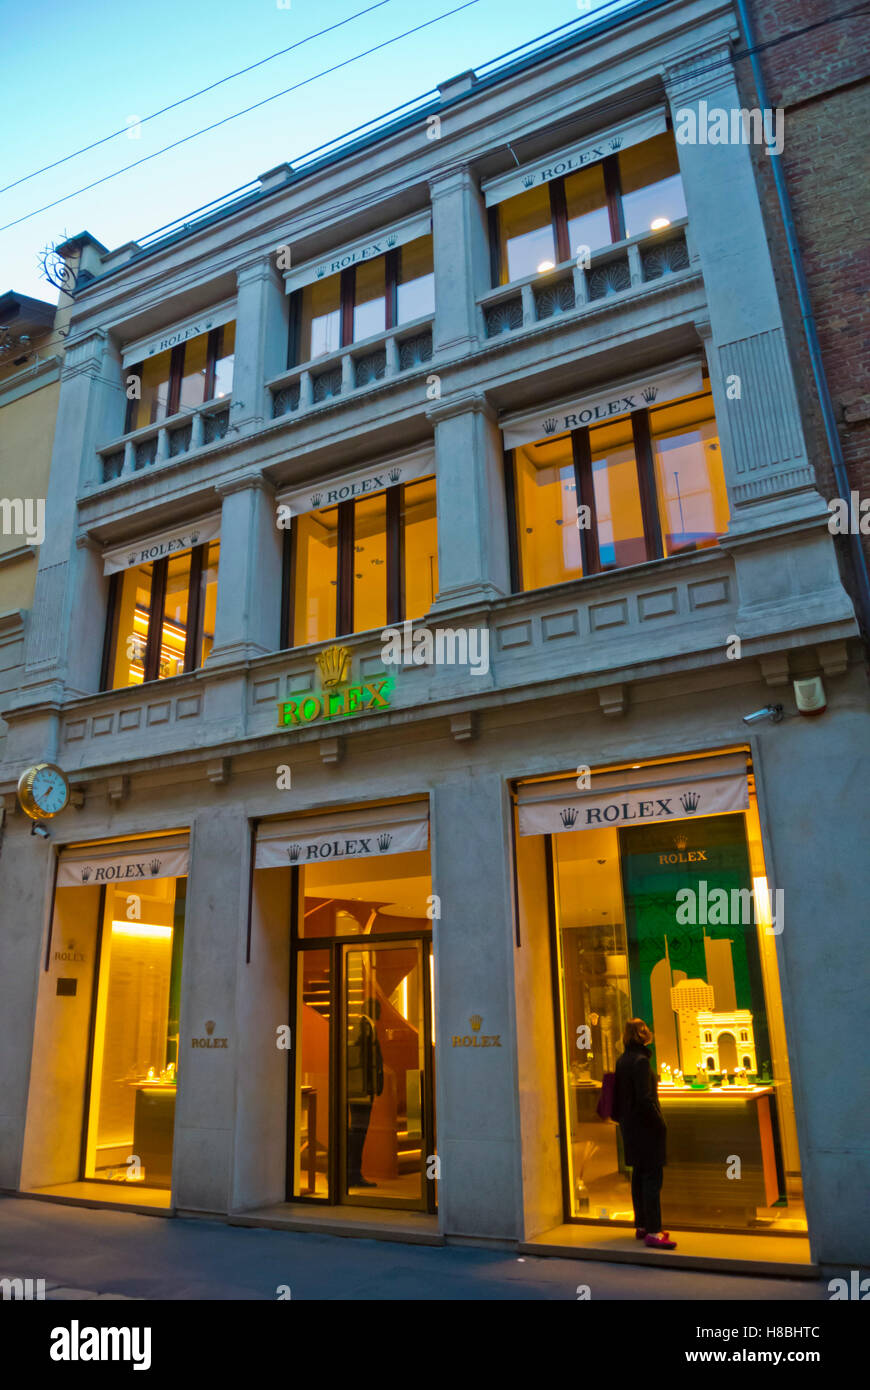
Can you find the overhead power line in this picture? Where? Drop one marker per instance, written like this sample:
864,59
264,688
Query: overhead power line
95,144
236,114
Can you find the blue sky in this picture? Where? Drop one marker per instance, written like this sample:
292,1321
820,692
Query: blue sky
75,73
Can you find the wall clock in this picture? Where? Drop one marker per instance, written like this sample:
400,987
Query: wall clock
43,791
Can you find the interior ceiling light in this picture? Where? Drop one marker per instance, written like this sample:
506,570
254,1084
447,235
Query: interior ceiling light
547,265
658,223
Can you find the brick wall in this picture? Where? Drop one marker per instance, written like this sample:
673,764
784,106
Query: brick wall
821,79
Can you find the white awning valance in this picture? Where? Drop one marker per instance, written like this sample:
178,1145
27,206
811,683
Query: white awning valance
123,861
638,393
362,834
636,796
575,156
364,249
179,332
155,547
334,490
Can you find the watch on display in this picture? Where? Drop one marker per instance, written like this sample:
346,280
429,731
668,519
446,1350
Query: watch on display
43,791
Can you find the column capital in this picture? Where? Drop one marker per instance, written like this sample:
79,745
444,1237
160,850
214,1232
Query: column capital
244,482
704,70
260,267
463,403
454,178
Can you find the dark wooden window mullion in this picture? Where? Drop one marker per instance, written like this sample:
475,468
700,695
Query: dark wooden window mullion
347,290
559,218
214,348
514,552
344,596
110,640
195,610
288,587
176,371
155,619
646,478
590,555
494,246
132,405
395,556
613,189
294,329
392,270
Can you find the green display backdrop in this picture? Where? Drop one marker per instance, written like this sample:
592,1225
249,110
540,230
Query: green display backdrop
711,853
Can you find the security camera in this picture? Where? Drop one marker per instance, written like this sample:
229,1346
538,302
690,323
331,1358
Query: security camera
771,712
37,829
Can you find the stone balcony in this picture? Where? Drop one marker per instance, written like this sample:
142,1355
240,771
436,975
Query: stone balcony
181,434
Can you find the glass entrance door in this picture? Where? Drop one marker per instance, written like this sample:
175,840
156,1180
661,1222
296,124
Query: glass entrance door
384,1076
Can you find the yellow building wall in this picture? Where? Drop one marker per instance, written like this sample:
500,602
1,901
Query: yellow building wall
26,440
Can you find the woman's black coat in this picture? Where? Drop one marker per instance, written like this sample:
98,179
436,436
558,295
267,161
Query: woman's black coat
636,1107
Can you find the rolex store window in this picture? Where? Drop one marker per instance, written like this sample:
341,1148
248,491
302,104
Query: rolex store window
161,617
663,913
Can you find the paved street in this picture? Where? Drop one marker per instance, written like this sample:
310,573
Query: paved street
85,1253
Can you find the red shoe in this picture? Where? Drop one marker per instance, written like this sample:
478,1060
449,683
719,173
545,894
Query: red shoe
660,1242
640,1234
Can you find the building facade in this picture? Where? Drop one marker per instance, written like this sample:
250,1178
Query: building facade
422,526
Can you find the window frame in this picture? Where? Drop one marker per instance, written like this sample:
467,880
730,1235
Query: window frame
347,302
195,618
644,462
214,348
395,576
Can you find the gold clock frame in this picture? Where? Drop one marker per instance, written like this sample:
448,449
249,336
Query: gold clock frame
25,791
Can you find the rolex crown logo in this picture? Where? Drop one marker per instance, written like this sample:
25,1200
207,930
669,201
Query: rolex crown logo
209,1026
689,802
194,539
293,853
394,475
317,499
616,142
154,866
528,180
131,558
680,842
475,1022
392,239
332,664
568,815
650,393
86,873
551,425
320,272
384,842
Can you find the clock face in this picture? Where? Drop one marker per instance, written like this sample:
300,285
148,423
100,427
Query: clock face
49,790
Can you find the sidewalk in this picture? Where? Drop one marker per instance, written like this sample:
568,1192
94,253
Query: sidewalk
82,1253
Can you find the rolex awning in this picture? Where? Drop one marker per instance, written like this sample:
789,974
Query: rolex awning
362,834
150,548
127,862
635,796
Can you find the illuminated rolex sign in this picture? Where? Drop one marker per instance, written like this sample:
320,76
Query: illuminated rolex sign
338,699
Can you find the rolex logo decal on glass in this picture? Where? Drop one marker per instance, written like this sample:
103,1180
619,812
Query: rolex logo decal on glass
568,815
332,664
475,1021
689,802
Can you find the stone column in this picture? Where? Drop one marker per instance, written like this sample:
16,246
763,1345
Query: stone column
214,931
461,251
757,409
261,342
477,1091
472,525
250,572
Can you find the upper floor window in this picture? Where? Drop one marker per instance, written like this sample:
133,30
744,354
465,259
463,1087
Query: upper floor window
622,195
362,300
183,377
161,617
640,486
367,562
